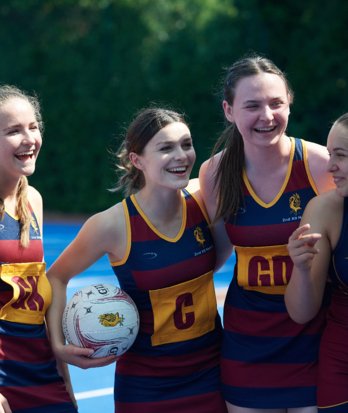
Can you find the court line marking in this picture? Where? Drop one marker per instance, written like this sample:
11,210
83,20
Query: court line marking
94,393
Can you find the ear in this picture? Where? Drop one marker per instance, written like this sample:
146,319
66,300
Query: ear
135,160
228,111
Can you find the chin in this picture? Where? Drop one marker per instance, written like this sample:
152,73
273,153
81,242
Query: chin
183,184
342,192
29,171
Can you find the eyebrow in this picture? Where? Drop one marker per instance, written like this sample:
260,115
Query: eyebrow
16,125
260,100
169,141
339,148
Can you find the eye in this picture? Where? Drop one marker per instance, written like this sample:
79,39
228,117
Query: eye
251,106
13,131
277,104
165,148
187,145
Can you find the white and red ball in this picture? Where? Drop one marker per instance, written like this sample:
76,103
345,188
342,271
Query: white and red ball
102,317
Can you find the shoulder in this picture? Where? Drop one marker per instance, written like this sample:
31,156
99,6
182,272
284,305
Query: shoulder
208,189
107,220
325,215
317,158
208,172
193,188
210,166
326,200
324,208
34,196
316,150
35,201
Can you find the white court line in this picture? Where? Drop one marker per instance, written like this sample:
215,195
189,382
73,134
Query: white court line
94,393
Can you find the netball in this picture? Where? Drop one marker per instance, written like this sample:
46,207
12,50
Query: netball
102,317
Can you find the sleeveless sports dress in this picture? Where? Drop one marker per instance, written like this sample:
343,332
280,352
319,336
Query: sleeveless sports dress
28,374
333,355
268,360
173,366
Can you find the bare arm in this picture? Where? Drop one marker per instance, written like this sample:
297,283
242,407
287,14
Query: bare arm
318,158
101,234
4,406
223,245
310,250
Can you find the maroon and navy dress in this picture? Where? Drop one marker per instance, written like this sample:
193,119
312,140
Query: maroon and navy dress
28,374
268,360
173,366
333,355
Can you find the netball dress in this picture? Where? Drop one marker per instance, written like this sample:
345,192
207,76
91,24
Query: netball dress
28,375
333,356
173,366
268,361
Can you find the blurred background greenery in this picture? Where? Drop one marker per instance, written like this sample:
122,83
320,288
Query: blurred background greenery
93,63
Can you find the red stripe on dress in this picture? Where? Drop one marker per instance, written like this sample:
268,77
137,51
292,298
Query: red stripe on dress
240,374
35,396
202,403
263,235
254,323
143,232
33,350
167,366
174,274
13,253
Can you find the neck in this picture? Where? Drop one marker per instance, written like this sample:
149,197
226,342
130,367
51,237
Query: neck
161,205
8,187
268,158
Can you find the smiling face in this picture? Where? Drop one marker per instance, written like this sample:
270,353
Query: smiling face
337,146
20,138
260,109
168,158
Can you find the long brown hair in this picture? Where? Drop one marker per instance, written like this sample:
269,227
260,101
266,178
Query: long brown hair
229,174
24,214
143,128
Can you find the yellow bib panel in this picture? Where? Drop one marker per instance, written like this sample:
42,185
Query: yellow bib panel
264,269
32,292
184,311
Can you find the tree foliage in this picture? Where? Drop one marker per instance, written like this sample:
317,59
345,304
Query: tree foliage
93,63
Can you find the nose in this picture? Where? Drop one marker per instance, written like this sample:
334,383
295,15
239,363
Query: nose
331,165
266,113
29,136
180,153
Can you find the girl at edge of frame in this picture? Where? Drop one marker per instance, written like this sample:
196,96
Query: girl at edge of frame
173,365
29,377
255,191
318,249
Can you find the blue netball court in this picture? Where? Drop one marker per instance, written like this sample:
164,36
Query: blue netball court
94,387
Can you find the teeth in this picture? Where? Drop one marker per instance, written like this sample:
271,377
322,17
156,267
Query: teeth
265,129
179,169
29,153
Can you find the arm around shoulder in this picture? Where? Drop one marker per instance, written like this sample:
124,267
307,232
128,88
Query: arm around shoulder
318,158
209,194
